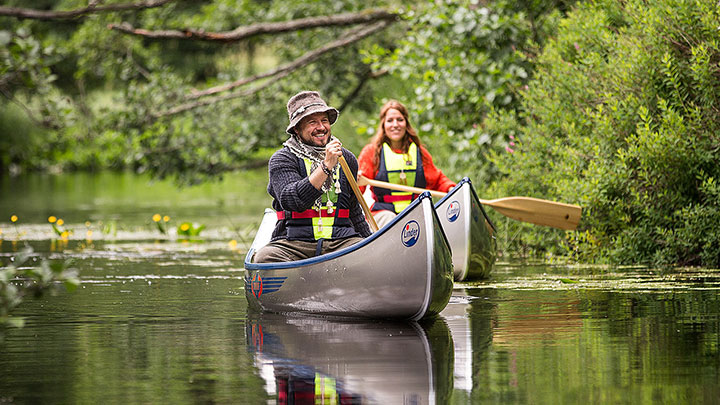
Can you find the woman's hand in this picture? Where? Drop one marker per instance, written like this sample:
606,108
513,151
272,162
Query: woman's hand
333,151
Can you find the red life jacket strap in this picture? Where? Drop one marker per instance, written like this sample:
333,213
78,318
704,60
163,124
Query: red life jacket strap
394,198
341,213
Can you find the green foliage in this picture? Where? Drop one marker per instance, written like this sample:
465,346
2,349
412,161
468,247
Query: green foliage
465,59
101,93
17,281
622,119
115,85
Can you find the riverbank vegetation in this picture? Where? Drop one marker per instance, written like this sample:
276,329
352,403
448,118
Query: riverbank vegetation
607,104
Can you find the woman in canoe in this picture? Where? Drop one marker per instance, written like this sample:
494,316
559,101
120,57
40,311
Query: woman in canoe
396,155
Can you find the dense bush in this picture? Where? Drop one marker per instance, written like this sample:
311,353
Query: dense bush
623,118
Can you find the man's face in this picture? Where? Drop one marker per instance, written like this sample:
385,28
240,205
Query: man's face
314,129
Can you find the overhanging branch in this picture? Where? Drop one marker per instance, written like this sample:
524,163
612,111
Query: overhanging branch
279,73
240,33
361,83
92,8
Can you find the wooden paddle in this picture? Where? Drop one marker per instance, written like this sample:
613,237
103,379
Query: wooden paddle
358,194
526,209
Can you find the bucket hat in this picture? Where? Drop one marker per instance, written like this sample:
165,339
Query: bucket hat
306,103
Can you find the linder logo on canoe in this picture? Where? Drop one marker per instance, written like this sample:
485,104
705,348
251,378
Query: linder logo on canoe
410,233
453,211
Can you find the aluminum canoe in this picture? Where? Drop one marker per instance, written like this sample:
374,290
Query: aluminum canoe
470,232
402,271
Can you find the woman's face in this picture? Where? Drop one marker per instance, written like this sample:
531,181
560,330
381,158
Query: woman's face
395,126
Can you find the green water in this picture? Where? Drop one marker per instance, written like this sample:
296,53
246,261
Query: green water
159,319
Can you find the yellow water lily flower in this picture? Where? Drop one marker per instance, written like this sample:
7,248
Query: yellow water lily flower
52,219
14,218
157,217
184,227
166,218
233,244
65,235
60,222
88,223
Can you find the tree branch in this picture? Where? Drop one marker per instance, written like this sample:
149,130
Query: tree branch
92,8
361,83
45,122
353,36
240,33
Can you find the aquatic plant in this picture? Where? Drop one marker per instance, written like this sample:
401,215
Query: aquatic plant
109,228
161,222
89,231
14,218
190,229
58,227
16,282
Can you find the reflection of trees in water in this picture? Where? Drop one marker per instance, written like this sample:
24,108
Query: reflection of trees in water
537,319
562,346
480,313
657,329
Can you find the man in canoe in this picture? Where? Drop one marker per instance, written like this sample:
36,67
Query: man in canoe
316,208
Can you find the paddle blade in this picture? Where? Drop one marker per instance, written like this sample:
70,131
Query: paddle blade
537,211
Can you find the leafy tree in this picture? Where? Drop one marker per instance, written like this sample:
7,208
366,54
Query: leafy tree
167,86
622,118
144,81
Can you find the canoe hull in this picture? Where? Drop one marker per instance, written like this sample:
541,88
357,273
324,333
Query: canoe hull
470,232
403,271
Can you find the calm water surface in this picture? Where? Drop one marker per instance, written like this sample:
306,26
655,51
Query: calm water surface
162,320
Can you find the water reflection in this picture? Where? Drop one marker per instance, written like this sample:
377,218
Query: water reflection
456,317
469,317
318,360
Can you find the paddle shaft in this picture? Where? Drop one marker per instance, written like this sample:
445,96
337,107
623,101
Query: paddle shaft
526,209
358,194
399,187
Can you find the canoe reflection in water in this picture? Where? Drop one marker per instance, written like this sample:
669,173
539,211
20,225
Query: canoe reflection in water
318,360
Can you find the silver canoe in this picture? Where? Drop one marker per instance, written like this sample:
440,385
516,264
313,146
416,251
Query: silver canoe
403,271
470,232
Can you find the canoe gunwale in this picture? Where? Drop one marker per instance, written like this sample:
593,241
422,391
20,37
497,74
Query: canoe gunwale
333,255
456,189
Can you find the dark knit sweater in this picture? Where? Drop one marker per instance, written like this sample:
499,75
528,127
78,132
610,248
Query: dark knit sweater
291,190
